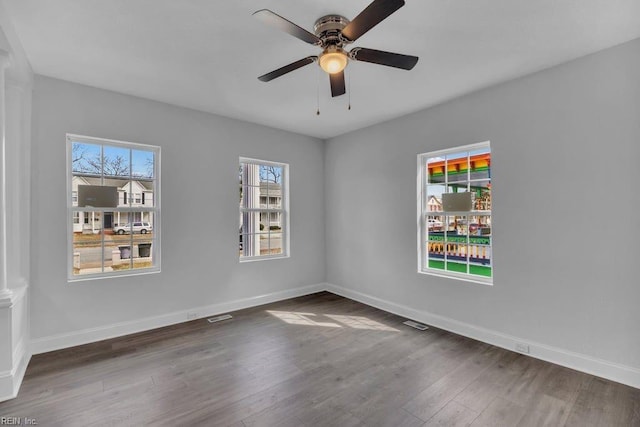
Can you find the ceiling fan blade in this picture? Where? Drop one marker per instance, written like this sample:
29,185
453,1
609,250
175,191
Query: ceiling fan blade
287,69
337,84
375,13
275,20
390,59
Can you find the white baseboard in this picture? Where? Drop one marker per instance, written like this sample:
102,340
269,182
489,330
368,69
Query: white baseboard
580,362
613,371
86,336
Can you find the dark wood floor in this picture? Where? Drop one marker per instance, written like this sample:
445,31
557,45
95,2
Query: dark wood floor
311,361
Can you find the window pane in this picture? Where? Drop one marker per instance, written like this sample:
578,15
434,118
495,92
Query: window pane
456,266
272,221
482,192
436,170
87,243
480,164
133,223
275,196
434,198
142,164
116,161
251,222
434,224
86,158
480,255
275,243
250,190
143,251
271,174
274,226
122,223
111,240
456,224
148,194
484,225
264,243
457,167
245,243
240,174
435,250
251,244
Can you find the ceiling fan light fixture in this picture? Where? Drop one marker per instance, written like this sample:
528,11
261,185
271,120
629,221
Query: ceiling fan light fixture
333,60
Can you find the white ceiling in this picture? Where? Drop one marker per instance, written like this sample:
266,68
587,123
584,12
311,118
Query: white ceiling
207,55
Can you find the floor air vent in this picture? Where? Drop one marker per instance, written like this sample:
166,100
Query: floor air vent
219,318
416,325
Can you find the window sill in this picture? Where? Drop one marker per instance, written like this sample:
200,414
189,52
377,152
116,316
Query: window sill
465,278
76,279
262,258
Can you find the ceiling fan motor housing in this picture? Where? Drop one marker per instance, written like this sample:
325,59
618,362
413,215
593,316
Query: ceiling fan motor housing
329,30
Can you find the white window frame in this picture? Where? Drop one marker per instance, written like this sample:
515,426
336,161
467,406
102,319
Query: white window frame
423,212
71,138
284,211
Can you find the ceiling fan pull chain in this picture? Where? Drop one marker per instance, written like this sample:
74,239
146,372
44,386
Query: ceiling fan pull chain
349,91
318,93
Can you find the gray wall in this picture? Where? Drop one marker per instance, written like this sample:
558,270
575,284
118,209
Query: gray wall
199,209
566,152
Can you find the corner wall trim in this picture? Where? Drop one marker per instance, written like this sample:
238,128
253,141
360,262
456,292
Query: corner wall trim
602,368
86,336
10,381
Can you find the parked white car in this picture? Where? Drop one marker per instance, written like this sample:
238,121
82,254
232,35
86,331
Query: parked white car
138,227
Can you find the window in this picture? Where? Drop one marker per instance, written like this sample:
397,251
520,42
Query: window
105,179
455,240
264,210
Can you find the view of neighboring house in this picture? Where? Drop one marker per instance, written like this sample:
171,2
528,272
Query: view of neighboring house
270,196
130,194
434,204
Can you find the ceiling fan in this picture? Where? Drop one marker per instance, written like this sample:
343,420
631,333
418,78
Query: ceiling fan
332,34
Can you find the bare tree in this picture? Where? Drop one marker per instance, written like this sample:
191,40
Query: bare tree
116,166
271,174
83,161
149,165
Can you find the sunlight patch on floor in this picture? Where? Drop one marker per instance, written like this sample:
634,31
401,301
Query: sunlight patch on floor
360,322
312,319
296,318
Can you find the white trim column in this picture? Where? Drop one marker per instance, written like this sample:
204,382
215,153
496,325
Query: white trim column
15,117
5,292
